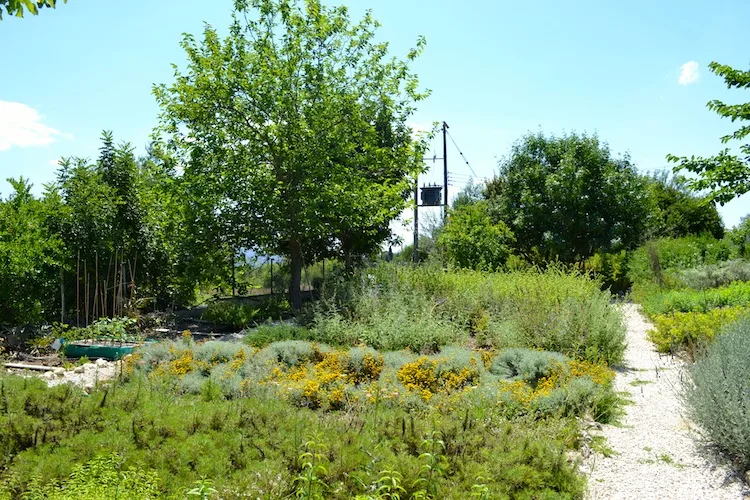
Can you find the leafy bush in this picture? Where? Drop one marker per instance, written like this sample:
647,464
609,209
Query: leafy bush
386,318
667,301
472,241
718,395
215,352
101,478
231,314
266,334
528,365
611,268
293,352
691,330
647,263
715,275
424,308
116,329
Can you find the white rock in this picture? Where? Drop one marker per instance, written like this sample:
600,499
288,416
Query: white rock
49,375
59,371
79,369
101,362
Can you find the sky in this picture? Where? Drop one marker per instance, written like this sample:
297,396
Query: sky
634,73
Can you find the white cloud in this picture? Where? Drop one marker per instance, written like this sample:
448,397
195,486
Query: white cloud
688,73
21,126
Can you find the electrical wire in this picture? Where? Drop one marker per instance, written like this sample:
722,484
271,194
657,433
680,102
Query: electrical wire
462,155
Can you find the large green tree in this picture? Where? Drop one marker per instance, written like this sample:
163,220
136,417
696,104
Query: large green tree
677,211
29,257
472,240
293,132
726,175
567,197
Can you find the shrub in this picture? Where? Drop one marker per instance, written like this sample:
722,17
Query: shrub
690,330
718,392
611,268
214,352
363,364
426,308
715,275
473,241
100,478
666,301
647,262
528,365
231,314
293,352
249,447
266,334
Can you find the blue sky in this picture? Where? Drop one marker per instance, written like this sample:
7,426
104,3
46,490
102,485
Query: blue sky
497,70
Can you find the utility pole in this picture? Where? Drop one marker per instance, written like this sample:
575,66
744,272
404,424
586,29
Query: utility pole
445,170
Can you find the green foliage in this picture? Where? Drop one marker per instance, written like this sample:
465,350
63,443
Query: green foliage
667,301
105,329
17,7
691,330
718,393
740,236
472,241
727,175
101,478
648,263
678,212
528,365
203,489
237,315
392,307
231,314
567,197
250,447
611,268
30,254
322,157
266,334
715,275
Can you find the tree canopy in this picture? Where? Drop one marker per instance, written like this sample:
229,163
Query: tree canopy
17,7
472,241
677,211
725,175
292,132
567,197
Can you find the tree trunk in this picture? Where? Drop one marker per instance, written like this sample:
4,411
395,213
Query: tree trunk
295,261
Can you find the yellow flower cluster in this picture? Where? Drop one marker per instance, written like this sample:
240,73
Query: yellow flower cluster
425,376
598,373
183,363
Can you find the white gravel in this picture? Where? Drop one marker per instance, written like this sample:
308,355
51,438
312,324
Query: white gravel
658,452
86,376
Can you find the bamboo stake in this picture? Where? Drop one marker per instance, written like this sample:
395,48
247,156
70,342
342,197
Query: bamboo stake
86,290
78,289
96,287
114,287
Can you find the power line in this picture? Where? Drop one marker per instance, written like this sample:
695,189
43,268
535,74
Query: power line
462,155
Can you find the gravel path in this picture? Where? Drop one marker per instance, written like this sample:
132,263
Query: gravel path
657,452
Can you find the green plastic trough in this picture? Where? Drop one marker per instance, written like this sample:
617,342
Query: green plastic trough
94,349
